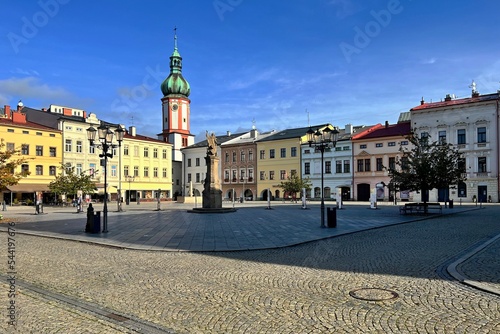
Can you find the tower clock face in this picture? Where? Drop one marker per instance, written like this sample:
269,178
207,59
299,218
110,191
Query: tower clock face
175,107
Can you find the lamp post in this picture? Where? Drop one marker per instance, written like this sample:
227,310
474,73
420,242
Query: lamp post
105,137
119,132
129,179
322,140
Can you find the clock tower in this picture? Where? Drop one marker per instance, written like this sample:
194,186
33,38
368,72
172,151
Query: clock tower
176,114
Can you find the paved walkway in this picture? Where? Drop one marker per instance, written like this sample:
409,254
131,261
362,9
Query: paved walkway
253,226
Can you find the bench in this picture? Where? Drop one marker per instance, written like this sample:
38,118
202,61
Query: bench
411,208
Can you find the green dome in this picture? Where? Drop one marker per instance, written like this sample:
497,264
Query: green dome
175,82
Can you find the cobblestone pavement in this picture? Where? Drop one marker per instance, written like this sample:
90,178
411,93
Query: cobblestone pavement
388,280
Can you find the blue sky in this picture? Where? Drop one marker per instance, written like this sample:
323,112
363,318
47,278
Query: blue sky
344,61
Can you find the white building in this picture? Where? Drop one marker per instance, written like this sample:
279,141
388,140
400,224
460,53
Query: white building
471,124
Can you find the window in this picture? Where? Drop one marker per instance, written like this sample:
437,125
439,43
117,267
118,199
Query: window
262,175
461,165
67,145
392,163
367,165
307,151
136,171
380,167
226,175
338,166
346,148
155,152
347,166
197,178
250,155
391,143
234,156
481,164
25,132
250,175
79,169
136,151
424,137
146,152
79,146
271,153
113,170
25,149
92,169
125,149
155,172
461,137
283,152
125,171
226,157
271,175
189,177
360,165
91,149
462,189
197,161
11,147
307,168
164,154
52,170
189,162
164,172
52,152
404,164
328,167
362,146
234,171
39,170
282,174
262,154
379,145
39,150
242,175
25,168
146,171
442,137
481,135
242,156
404,142
293,152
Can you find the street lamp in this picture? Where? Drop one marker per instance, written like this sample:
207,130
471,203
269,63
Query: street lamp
119,132
322,140
105,136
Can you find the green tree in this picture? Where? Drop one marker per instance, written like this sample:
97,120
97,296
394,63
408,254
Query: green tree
68,182
427,165
294,184
9,161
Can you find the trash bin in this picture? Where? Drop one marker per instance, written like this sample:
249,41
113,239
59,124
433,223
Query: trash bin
96,226
451,203
331,217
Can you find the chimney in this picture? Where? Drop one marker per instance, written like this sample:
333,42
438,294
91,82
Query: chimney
348,129
386,124
7,111
228,133
131,131
254,133
422,101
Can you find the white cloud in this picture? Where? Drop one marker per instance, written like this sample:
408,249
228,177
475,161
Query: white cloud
31,88
429,61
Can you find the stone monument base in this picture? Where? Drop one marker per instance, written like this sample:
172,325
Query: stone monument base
212,210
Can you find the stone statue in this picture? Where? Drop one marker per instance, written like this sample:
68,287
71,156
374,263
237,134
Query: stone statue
212,144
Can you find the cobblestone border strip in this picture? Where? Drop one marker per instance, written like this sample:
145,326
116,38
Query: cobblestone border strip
130,322
453,271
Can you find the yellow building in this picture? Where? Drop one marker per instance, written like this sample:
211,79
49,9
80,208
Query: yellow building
278,156
41,146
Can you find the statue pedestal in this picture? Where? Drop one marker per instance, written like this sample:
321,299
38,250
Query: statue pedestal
212,198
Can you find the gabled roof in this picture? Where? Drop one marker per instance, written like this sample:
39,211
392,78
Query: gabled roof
220,139
390,130
456,102
291,133
28,124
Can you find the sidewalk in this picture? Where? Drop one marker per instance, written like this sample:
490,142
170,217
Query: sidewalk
251,227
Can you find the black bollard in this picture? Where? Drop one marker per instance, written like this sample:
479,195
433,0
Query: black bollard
90,218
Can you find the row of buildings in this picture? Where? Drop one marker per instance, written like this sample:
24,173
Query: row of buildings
252,164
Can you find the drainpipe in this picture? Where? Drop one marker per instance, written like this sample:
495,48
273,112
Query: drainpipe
498,149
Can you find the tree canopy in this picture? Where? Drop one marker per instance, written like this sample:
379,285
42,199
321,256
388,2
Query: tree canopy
294,184
427,165
68,182
10,159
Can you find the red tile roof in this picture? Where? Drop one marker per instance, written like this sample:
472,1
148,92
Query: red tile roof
27,124
393,130
454,102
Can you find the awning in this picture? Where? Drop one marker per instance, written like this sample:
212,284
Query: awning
28,188
100,189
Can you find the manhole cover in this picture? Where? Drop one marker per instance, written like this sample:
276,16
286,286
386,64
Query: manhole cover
373,294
